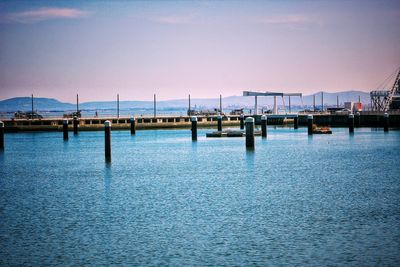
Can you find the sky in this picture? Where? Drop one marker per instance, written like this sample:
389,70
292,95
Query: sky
172,48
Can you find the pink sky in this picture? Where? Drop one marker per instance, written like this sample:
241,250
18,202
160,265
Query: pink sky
202,48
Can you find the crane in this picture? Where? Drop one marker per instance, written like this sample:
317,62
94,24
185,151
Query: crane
383,100
395,91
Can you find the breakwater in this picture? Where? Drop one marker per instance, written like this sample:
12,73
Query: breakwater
165,122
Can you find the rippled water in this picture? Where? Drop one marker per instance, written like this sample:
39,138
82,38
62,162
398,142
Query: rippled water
325,200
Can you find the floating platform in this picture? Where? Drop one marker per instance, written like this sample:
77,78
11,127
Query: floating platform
230,133
322,130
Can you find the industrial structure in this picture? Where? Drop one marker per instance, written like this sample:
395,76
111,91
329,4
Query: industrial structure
274,94
383,100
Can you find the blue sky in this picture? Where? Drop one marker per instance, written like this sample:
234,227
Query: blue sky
101,48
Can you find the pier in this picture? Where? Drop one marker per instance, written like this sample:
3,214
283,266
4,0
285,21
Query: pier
164,122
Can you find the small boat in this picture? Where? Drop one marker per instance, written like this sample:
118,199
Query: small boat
321,130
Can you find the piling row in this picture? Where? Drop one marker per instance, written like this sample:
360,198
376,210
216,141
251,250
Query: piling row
357,120
241,121
296,122
65,129
351,123
75,124
249,132
386,122
219,123
107,139
133,125
194,128
263,126
247,124
310,121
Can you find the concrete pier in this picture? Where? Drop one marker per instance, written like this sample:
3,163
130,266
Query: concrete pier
386,122
194,128
296,122
241,121
107,138
310,121
367,119
1,135
219,122
133,125
75,124
65,129
249,132
351,123
264,126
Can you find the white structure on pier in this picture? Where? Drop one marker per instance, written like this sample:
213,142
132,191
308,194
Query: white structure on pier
274,94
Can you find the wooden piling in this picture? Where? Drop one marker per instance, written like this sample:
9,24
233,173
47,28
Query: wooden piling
296,122
386,122
107,135
310,121
133,125
219,120
65,129
249,132
75,122
1,135
241,121
351,123
264,126
194,128
357,120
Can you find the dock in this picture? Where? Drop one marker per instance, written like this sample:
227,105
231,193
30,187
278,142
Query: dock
366,119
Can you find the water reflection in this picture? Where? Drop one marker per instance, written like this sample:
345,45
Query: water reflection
310,139
107,210
194,146
107,176
2,156
65,145
250,154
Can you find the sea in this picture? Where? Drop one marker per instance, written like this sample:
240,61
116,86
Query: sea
163,200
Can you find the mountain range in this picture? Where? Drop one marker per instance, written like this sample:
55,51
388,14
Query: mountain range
51,104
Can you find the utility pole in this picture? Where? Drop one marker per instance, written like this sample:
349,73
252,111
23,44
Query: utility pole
118,106
314,101
189,106
155,105
220,104
255,105
77,104
337,101
32,108
322,101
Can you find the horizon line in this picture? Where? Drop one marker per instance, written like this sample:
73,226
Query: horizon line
174,99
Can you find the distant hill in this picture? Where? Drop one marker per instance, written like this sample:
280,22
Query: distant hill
51,104
24,104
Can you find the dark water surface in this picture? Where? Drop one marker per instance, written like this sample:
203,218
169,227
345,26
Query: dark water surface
325,200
